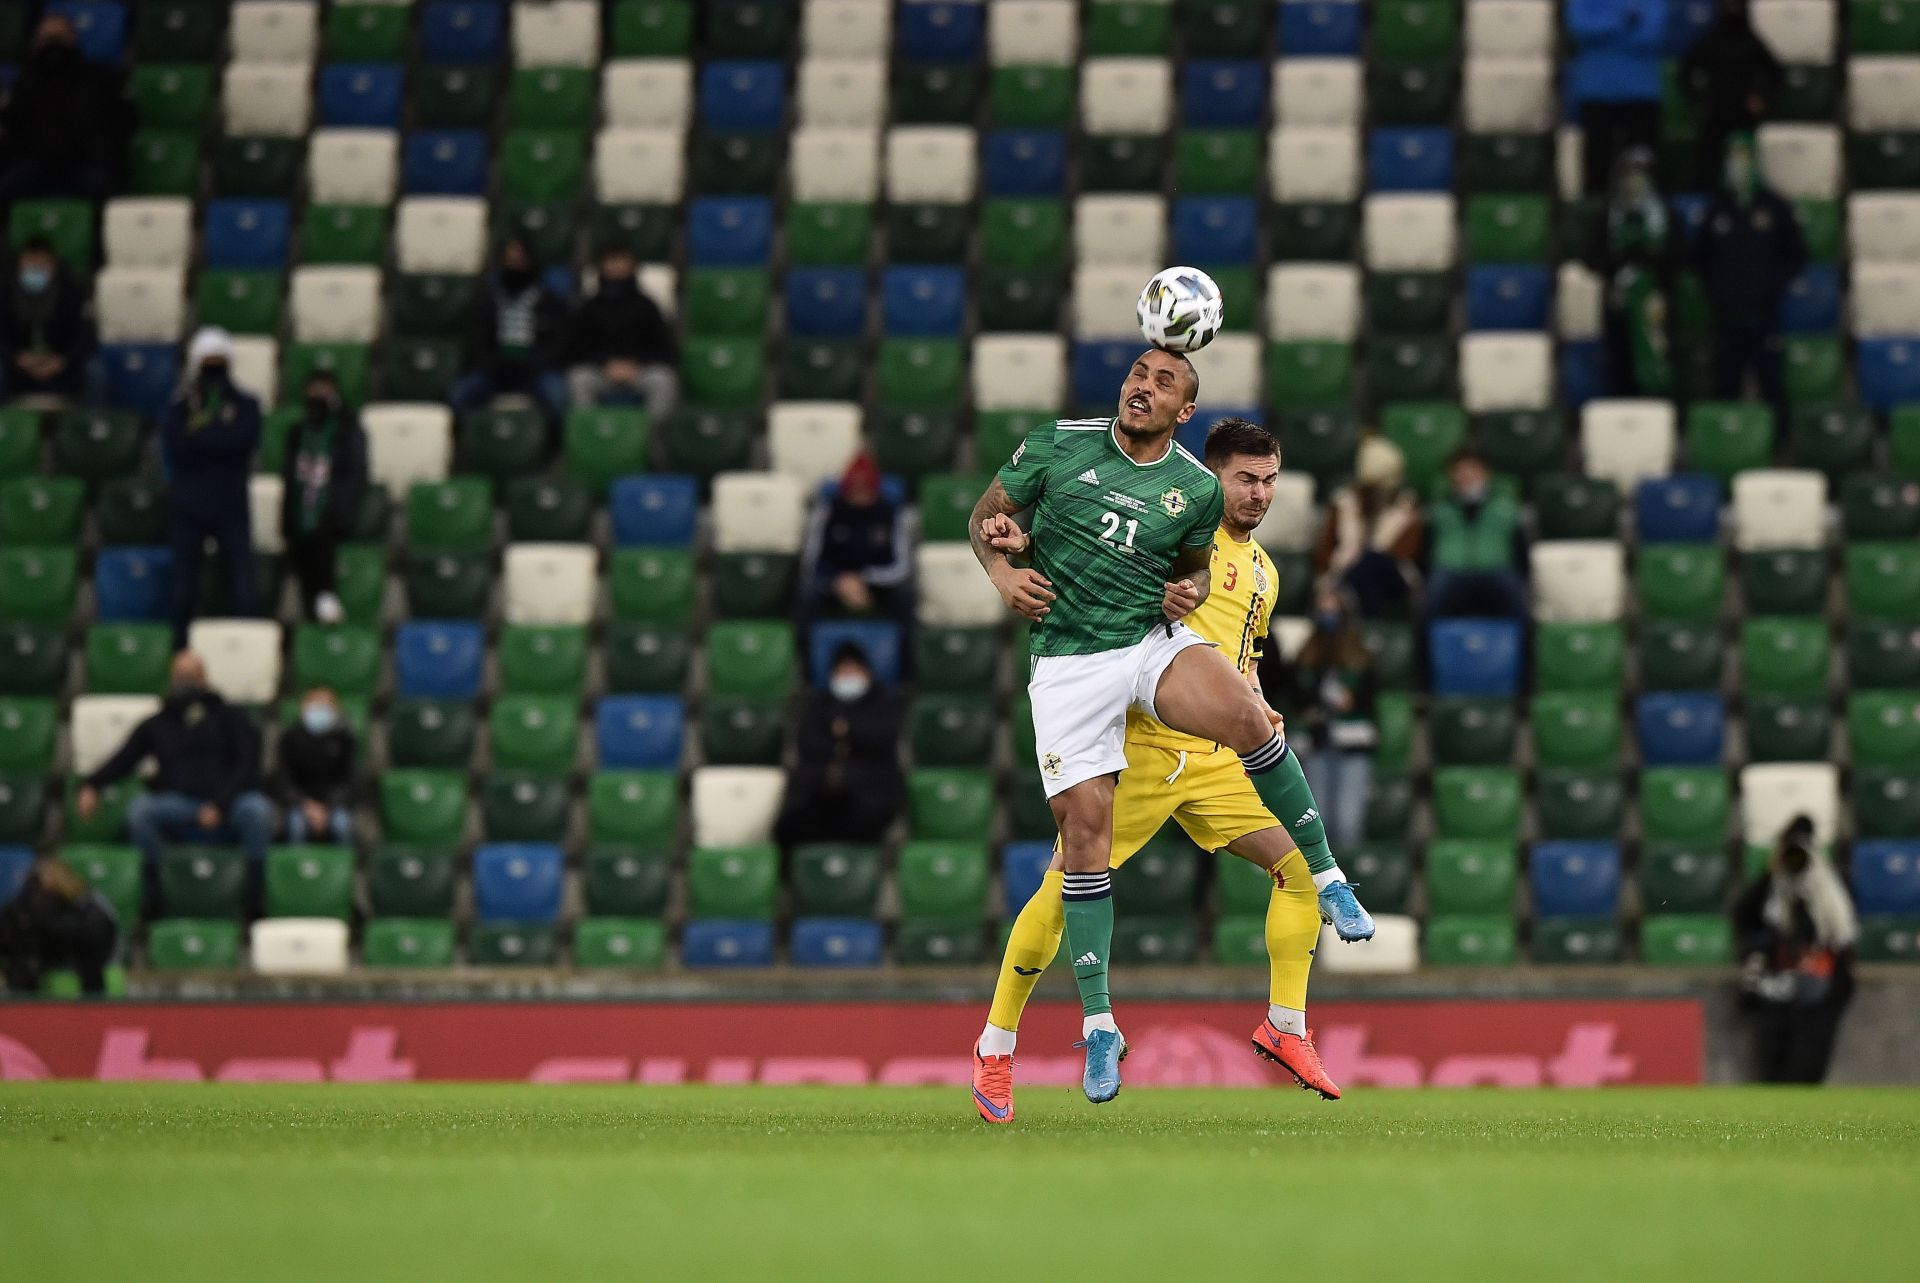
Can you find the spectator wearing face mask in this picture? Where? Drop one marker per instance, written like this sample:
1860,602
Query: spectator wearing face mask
207,442
847,786
857,549
623,348
64,129
1750,249
323,474
46,341
56,920
315,780
1796,930
520,339
1474,546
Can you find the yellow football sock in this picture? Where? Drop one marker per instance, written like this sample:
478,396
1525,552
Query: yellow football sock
1031,947
1293,928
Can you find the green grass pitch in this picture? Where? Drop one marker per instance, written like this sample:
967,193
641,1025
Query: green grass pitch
511,1182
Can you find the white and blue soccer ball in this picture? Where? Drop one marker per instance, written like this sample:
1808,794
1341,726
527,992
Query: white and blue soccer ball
1180,309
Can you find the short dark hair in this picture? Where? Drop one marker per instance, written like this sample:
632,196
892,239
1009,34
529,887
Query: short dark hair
1229,437
1193,374
1465,454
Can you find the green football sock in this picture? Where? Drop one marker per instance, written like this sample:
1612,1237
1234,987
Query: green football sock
1087,899
1282,785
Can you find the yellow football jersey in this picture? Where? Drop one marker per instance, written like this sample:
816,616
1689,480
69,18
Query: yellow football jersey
1235,617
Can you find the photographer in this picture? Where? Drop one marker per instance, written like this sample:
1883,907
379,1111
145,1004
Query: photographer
1796,931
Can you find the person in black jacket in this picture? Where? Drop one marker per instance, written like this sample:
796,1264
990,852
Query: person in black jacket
1797,931
847,786
65,127
1749,251
315,779
323,475
207,440
858,549
206,779
56,920
520,338
1733,77
46,340
623,350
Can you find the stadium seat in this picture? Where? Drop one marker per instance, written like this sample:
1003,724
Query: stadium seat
1682,803
1574,879
1476,802
640,807
549,584
1883,580
1579,804
1680,728
1575,729
1678,509
1475,656
1469,939
190,944
727,943
1578,581
242,657
517,882
309,882
733,805
439,660
639,731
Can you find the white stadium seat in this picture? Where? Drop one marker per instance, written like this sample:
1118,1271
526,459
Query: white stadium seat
1510,28
1774,794
1801,162
1288,635
1883,93
556,33
550,584
846,28
256,367
758,512
407,442
842,91
1798,31
1509,95
140,304
298,946
99,724
1394,949
1626,441
284,31
735,805
1314,163
1030,33
1229,369
1506,371
1291,523
441,234
266,99
1578,303
265,494
954,591
1885,298
1120,228
1315,301
1019,372
335,304
1569,161
1126,95
647,93
1104,298
639,166
242,657
812,441
1579,581
352,166
1883,227
835,164
148,231
1409,232
1779,508
660,282
1318,91
933,163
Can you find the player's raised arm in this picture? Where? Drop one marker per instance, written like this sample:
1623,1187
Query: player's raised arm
1192,581
996,538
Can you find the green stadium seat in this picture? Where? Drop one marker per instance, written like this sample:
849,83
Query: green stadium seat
345,234
535,732
1815,370
193,944
536,660
1528,444
1394,719
1118,28
912,443
310,882
1684,877
1579,657
924,944
1390,642
408,942
1882,654
1240,939
345,658
203,881
1309,373
645,658
1820,223
23,803
1409,303
1883,580
1687,940
1883,161
750,657
431,733
1161,877
179,31
1121,162
1884,727
1580,804
1784,581
427,306
408,880
108,823
606,442
524,806
651,28
542,164
1875,506
422,369
1726,438
1590,941
1028,813
1681,581
559,98
1784,656
949,804
944,881
1312,231
347,362
1834,439
1410,367
1241,887
97,445
41,510
733,881
1427,432
1031,97
735,164
423,806
502,444
1322,442
1471,877
1385,868
946,505
1889,939
1569,506
1018,300
1684,803
1507,163
361,581
37,585
727,302
19,441
114,871
1576,729
258,167
1788,728
641,807
68,225
835,879
551,509
1227,29
453,97
1155,941
1679,655
951,729
921,372
742,730
513,944
706,441
130,511
448,584
935,93
1807,92
1225,162
1472,732
622,880
163,162
173,96
367,33
828,233
619,942
1508,229
1411,91
27,729
721,371
1476,802
1470,940
954,659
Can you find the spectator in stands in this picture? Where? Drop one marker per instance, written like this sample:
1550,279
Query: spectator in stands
64,129
623,348
1372,532
847,786
1748,253
1797,930
1329,688
323,473
207,440
1636,255
56,921
1615,74
46,341
858,547
1474,546
315,779
1733,77
206,779
520,338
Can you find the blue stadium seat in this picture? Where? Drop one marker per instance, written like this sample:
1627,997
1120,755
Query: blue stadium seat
1509,296
1886,876
924,300
1475,656
729,231
1224,93
1680,728
1684,508
1022,865
1574,879
131,584
463,31
444,162
14,863
743,96
1325,27
1812,302
653,508
247,234
1099,366
1216,230
439,659
141,376
835,942
639,732
1889,372
941,32
827,302
102,28
1192,435
361,95
1583,372
727,942
1024,162
517,881
878,639
1410,159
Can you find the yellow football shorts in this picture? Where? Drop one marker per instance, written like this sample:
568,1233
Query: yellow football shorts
1207,794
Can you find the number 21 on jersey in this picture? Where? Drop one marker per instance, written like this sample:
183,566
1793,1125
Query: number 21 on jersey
1110,526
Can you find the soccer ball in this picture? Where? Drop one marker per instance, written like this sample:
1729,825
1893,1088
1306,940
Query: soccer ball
1180,309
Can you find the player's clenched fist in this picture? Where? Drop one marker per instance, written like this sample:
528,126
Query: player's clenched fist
1180,599
1003,534
1027,591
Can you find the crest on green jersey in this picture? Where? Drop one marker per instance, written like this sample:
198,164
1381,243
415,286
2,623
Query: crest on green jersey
1174,501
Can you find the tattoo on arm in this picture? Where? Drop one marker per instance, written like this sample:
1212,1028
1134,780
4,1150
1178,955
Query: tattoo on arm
994,501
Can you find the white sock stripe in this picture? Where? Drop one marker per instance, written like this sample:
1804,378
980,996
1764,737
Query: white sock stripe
1267,756
1087,879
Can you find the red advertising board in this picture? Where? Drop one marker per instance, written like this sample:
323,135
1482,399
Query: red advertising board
1365,1044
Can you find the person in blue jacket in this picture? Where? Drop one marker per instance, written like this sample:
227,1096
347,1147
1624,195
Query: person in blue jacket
1614,78
207,443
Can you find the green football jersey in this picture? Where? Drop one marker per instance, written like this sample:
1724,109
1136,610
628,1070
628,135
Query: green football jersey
1106,530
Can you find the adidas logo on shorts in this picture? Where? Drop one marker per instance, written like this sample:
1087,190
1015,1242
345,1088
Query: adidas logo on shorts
1087,959
1090,477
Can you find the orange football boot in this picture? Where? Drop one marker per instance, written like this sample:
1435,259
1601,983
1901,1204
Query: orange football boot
1294,1054
993,1086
